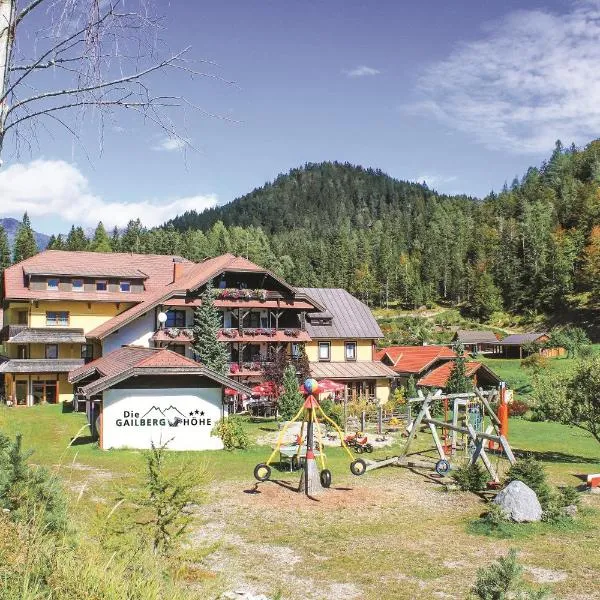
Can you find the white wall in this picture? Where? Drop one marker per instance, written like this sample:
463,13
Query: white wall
136,418
138,333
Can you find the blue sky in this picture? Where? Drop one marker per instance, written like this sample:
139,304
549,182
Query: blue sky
464,95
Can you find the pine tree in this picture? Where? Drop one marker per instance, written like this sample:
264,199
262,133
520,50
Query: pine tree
115,240
76,240
207,323
100,242
290,400
4,251
458,382
25,245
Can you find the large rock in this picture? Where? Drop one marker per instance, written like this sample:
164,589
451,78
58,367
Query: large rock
519,503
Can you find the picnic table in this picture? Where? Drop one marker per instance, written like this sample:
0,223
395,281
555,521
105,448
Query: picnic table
291,452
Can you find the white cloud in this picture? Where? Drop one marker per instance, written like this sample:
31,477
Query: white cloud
50,188
362,71
435,181
171,144
532,78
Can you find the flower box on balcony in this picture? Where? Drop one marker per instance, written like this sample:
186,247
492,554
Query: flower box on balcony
230,333
292,332
234,368
236,294
250,331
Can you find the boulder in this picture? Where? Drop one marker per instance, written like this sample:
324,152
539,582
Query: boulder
519,503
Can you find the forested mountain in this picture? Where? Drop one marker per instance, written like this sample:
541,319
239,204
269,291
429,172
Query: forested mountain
318,197
528,248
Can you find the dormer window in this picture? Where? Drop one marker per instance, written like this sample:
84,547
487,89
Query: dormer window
125,286
53,284
101,285
78,285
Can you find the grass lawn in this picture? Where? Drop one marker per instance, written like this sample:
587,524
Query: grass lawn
390,534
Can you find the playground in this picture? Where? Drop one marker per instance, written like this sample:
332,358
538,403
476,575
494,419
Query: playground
390,533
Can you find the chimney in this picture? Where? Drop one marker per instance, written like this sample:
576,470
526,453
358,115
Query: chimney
177,268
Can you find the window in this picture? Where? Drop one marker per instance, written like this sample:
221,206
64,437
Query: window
51,351
175,318
87,352
101,285
295,351
125,286
22,317
178,348
78,285
324,350
57,319
53,283
350,350
21,351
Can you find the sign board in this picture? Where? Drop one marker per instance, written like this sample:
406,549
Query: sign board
180,418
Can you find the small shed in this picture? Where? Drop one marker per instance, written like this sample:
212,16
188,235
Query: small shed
481,375
519,345
477,341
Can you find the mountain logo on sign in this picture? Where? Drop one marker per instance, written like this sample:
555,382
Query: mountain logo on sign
172,414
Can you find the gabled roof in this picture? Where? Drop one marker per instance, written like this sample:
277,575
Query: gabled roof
194,277
47,335
350,318
40,365
467,336
412,360
156,270
518,339
439,376
127,362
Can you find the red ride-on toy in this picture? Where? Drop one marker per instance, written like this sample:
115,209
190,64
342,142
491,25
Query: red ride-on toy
358,442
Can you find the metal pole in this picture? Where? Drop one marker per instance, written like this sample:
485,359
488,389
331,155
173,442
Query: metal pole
309,449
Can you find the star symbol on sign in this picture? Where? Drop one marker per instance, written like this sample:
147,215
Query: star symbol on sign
197,411
192,414
201,413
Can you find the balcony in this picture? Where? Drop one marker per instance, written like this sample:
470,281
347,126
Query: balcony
21,334
263,334
9,331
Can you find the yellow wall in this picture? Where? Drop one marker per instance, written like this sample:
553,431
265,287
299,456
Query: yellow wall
382,390
338,352
80,316
39,350
65,389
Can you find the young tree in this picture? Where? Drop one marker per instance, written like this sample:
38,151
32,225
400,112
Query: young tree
288,404
101,55
485,297
4,251
458,382
100,242
207,323
25,245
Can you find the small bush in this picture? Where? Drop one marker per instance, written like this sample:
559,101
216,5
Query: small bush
518,408
495,517
504,579
232,433
569,496
531,472
334,411
470,478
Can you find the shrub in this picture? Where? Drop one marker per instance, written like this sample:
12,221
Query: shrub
470,477
334,411
569,496
531,472
495,517
232,433
518,408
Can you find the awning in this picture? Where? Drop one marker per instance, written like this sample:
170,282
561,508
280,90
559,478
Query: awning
48,336
358,370
33,365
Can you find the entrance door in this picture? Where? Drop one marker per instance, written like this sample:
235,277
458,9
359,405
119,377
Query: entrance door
21,393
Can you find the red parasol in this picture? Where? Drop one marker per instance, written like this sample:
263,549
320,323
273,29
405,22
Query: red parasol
230,392
268,388
325,385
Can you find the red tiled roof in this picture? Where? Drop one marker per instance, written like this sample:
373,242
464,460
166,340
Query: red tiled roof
414,359
166,358
439,376
155,269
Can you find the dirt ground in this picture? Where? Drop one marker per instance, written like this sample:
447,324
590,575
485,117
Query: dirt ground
396,536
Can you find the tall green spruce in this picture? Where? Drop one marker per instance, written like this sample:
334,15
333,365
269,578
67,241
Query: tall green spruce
458,382
207,323
100,242
25,245
4,251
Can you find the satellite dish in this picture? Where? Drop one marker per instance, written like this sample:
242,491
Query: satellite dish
162,318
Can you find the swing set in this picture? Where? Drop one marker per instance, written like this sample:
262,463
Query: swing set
470,413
